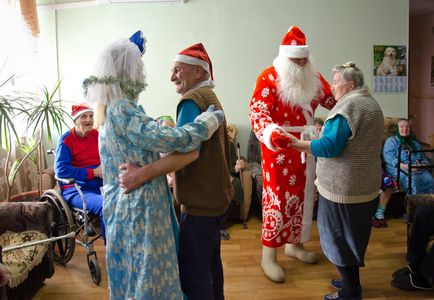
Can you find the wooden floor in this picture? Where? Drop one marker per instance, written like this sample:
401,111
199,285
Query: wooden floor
243,275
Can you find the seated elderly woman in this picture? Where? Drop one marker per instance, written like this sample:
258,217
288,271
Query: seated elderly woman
77,157
422,180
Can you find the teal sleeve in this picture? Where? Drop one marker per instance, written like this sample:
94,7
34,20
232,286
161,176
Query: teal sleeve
187,112
336,132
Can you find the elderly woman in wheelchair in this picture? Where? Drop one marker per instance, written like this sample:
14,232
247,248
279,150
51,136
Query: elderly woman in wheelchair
77,209
77,157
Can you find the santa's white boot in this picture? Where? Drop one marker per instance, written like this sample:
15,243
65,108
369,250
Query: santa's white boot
298,251
270,266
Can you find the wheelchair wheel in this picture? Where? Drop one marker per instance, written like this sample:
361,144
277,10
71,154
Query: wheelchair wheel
94,268
63,224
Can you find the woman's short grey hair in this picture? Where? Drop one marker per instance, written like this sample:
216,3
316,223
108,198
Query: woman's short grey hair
350,72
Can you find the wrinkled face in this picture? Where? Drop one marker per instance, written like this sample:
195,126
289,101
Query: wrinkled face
340,87
299,61
84,123
404,128
185,76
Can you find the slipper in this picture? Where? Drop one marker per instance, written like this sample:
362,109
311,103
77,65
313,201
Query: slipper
402,272
407,282
335,296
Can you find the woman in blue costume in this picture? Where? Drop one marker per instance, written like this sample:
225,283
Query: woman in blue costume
422,181
141,228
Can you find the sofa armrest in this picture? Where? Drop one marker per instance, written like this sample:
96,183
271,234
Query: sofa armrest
21,216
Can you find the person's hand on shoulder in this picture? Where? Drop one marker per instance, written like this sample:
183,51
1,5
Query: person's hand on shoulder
211,118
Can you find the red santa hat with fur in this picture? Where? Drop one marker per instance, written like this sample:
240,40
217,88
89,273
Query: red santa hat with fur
196,55
78,110
293,44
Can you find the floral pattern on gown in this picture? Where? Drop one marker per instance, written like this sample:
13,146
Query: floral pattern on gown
140,252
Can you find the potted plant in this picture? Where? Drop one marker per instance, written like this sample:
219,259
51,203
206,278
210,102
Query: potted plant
42,115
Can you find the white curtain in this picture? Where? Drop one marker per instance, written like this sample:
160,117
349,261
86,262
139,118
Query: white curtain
18,48
18,52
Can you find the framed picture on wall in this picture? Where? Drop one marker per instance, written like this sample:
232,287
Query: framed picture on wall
390,69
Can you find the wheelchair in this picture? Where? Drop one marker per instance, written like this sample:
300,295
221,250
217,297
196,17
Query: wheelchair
68,219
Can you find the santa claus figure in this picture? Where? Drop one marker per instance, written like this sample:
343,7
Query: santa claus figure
285,98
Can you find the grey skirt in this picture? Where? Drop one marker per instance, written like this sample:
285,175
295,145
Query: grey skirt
344,230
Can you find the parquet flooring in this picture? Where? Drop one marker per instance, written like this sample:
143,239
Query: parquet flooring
244,279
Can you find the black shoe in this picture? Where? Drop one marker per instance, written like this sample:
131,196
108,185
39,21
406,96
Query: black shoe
402,272
337,283
409,283
225,235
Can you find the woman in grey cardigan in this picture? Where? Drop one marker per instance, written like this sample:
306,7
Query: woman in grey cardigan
348,176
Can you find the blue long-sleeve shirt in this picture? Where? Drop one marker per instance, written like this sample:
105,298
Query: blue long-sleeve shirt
188,110
335,134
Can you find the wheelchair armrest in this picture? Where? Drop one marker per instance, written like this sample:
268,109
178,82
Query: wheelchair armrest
66,180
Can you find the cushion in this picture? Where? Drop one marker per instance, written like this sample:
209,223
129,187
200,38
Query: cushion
20,262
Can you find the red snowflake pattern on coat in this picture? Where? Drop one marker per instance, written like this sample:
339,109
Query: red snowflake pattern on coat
284,174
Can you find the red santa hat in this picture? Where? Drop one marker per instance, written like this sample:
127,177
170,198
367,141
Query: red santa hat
294,44
78,110
196,55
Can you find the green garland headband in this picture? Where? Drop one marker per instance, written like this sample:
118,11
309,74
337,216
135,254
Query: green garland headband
131,88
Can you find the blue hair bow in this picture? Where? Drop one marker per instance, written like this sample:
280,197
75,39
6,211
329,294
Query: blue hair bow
138,39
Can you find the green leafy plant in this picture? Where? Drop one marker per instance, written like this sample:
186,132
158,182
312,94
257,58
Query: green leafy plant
41,115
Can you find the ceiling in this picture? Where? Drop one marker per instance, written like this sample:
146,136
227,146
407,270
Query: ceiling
417,7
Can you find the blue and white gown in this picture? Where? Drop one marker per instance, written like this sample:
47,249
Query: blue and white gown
140,226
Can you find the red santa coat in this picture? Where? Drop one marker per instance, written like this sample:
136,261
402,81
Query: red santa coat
287,217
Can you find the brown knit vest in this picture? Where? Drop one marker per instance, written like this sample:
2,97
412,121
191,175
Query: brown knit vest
204,186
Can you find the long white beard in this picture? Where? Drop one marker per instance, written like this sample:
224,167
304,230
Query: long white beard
297,85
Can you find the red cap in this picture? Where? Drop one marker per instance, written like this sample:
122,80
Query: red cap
78,110
196,55
294,44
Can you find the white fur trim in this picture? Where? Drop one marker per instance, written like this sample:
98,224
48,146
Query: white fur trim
294,51
192,61
266,136
79,113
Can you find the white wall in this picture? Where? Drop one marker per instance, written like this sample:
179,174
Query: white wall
241,37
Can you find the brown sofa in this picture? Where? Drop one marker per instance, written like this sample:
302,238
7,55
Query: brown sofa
23,216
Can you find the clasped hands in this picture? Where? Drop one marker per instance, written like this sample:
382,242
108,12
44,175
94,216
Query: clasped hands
282,139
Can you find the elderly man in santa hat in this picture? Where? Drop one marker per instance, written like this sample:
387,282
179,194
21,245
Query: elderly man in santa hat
284,99
203,187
